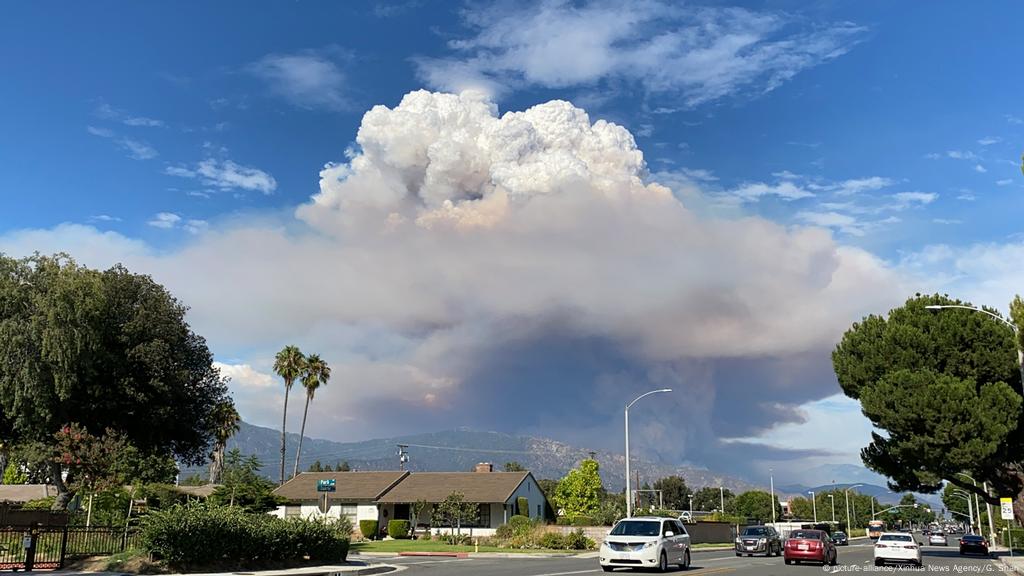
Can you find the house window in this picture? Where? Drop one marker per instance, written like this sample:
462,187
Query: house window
484,515
539,513
350,510
293,511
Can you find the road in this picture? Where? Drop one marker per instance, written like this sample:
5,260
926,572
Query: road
857,557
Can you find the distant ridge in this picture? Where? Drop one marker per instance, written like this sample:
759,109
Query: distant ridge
460,449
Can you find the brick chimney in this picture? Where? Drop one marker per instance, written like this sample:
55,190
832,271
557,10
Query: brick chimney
484,467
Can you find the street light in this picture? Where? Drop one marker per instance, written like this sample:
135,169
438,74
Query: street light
830,497
970,509
814,505
977,507
721,495
771,478
1020,352
690,497
846,494
629,493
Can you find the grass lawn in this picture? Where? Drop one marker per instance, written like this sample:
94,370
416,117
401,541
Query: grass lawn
711,545
438,546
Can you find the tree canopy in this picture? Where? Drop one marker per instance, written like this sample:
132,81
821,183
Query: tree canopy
674,492
944,387
106,350
579,493
756,504
710,498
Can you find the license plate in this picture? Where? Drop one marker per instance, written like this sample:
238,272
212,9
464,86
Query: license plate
802,547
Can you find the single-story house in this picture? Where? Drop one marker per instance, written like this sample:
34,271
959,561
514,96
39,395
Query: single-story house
355,494
385,496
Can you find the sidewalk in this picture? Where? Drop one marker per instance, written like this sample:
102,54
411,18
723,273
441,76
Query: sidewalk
355,568
1014,564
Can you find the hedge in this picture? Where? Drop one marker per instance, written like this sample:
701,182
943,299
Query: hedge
1018,538
368,528
576,521
523,505
398,529
205,535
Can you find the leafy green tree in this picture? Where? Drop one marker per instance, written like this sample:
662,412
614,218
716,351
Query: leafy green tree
710,498
514,467
343,466
674,492
194,480
944,387
455,511
801,508
289,364
244,486
578,494
315,375
104,349
756,504
14,474
318,467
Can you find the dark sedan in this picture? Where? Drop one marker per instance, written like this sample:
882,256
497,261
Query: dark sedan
840,539
759,540
973,544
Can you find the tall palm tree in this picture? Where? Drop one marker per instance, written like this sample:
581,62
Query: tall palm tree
316,375
289,364
226,419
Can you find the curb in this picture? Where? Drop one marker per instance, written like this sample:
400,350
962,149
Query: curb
1011,567
436,554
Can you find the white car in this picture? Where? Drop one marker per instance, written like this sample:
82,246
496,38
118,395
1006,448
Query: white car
646,542
897,547
937,539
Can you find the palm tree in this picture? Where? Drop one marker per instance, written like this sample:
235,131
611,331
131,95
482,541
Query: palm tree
289,364
226,419
316,375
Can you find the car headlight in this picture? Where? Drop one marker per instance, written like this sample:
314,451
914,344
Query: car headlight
605,545
762,540
651,544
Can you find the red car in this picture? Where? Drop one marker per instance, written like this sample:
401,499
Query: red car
810,546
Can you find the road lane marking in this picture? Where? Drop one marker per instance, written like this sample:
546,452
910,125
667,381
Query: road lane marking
591,571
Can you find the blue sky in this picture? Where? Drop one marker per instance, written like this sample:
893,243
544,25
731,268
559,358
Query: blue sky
149,133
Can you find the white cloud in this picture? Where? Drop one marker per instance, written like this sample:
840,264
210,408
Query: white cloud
961,155
984,273
1004,182
226,175
108,112
907,198
104,218
309,79
1011,119
694,54
980,168
196,226
858,185
101,132
245,376
947,221
699,174
753,191
165,220
139,150
989,140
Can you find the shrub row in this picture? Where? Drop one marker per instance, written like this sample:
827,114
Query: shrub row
368,528
522,534
577,521
399,529
200,535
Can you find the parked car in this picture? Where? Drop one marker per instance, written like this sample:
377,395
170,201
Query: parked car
810,546
840,539
897,547
646,542
937,539
758,540
973,544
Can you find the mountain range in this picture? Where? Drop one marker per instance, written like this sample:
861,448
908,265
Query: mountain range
460,449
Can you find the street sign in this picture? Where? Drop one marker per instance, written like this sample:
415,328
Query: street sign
1006,508
325,485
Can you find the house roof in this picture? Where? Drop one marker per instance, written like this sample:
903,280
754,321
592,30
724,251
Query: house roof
25,492
436,486
201,491
348,485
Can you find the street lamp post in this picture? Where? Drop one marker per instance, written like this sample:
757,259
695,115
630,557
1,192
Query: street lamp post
977,506
833,500
721,496
970,508
690,498
771,479
629,492
846,494
814,505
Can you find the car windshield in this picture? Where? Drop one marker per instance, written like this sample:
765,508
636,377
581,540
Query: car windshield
636,528
973,538
806,534
840,535
756,531
896,538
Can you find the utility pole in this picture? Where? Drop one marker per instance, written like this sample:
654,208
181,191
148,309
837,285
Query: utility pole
403,456
721,495
771,479
814,505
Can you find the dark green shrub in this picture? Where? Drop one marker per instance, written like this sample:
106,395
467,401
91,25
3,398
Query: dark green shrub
577,521
503,532
368,528
398,529
552,541
454,539
200,534
1018,538
524,506
577,540
520,525
163,495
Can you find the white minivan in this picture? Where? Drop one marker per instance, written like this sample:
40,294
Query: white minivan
646,542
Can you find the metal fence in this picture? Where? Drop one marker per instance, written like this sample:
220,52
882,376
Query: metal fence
50,547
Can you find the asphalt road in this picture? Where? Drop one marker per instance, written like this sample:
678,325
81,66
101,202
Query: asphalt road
857,557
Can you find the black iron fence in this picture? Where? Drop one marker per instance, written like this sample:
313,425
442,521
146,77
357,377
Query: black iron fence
50,547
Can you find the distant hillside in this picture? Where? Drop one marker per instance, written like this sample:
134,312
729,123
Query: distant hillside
459,450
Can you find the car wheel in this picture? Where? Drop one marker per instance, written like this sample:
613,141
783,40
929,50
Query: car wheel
788,561
835,560
663,563
607,568
686,561
738,554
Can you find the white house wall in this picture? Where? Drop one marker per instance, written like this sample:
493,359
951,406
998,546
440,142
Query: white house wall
531,491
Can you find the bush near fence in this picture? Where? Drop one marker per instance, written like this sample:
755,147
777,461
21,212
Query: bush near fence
201,535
